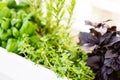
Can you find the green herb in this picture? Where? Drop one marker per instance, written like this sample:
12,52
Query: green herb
35,30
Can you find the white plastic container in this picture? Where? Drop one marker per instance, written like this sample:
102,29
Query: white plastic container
15,67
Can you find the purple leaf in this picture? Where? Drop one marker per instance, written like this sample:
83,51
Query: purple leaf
94,62
85,37
103,48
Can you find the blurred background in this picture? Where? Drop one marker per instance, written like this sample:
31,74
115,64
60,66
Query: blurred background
96,11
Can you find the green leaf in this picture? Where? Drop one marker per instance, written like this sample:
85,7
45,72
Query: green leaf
27,28
21,14
12,45
3,35
16,22
15,32
9,32
11,4
4,43
2,4
4,12
5,24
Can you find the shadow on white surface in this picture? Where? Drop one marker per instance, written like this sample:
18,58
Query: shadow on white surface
4,77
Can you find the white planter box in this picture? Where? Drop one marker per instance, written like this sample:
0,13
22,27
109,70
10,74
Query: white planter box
15,67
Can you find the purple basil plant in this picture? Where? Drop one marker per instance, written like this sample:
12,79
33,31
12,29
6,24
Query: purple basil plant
102,45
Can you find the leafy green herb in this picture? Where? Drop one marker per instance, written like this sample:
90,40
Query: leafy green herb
36,32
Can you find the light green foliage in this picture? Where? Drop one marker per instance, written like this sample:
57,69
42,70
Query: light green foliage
5,23
11,45
4,12
40,36
15,32
27,28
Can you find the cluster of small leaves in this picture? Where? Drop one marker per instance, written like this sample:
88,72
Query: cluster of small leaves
59,54
42,38
103,46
